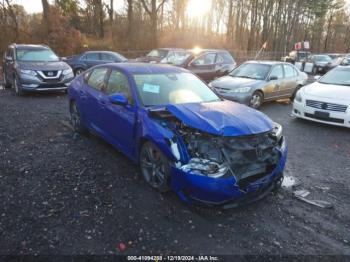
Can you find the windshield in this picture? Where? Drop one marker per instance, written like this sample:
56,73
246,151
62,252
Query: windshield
174,88
338,76
36,55
252,70
176,58
322,58
158,53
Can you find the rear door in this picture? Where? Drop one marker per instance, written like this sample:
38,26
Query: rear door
290,81
273,87
204,66
92,108
92,59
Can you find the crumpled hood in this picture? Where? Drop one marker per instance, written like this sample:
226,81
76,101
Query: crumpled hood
235,82
224,118
44,66
336,92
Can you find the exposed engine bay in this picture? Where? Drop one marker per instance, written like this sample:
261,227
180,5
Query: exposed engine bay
247,158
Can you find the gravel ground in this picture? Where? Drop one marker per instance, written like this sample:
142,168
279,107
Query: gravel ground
66,194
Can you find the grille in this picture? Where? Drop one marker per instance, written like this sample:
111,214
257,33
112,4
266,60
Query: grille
326,106
50,73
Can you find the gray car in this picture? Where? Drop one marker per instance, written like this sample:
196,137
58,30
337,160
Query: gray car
254,82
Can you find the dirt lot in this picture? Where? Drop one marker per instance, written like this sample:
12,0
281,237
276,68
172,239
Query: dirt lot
62,193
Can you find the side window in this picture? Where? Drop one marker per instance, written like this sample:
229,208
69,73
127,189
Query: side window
107,57
92,57
277,71
207,59
97,77
288,71
118,83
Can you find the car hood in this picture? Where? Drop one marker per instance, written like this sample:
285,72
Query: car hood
46,66
223,118
235,82
336,92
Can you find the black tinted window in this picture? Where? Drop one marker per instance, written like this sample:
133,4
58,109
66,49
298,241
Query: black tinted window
96,79
92,56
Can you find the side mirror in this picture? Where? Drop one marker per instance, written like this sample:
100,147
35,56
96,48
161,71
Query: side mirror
271,78
119,99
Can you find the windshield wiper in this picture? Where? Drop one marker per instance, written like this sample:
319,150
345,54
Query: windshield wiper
249,77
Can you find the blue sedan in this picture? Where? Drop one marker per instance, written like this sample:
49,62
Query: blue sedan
182,135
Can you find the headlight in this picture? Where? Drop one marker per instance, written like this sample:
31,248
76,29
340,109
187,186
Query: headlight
67,71
204,167
28,72
277,130
298,97
241,90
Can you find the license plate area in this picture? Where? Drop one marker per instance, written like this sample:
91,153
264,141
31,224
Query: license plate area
321,114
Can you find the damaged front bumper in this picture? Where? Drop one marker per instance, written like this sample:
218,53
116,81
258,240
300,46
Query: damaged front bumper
225,191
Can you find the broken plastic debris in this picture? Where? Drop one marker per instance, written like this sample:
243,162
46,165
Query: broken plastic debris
121,247
318,203
301,193
290,181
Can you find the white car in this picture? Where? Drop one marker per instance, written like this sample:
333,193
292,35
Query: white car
326,100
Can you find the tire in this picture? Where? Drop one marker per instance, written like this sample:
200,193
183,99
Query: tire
6,84
78,71
17,87
256,99
75,118
294,93
155,167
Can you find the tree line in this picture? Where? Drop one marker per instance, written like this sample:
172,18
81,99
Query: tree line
70,26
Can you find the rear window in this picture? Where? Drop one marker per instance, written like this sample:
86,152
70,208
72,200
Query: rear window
224,57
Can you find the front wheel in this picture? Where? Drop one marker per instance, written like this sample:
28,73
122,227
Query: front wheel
256,100
155,167
78,71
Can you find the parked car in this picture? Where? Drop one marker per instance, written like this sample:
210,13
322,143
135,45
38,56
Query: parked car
35,68
88,59
321,63
183,136
326,100
254,82
156,55
208,64
334,55
296,56
345,61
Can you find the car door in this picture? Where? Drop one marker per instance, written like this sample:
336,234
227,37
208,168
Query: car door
204,66
272,88
289,82
119,120
9,65
90,97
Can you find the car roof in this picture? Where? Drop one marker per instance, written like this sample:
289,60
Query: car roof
145,68
169,49
23,46
97,51
267,62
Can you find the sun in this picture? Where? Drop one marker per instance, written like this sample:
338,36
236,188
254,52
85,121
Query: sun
198,8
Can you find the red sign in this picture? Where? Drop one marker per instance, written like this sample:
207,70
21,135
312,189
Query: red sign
297,46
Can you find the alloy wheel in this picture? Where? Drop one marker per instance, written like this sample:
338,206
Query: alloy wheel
256,100
154,167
